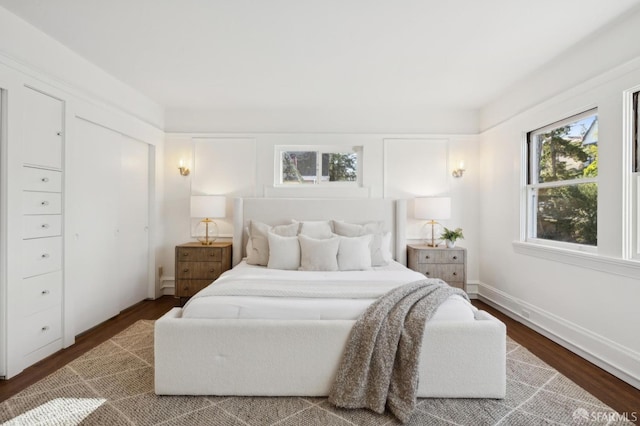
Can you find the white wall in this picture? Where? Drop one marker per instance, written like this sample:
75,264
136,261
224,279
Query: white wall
34,53
306,119
248,162
588,303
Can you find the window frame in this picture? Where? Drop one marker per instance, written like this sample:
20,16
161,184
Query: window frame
319,150
532,186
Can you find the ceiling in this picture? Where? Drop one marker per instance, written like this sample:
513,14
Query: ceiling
241,54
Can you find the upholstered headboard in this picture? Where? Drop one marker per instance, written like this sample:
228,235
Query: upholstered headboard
277,211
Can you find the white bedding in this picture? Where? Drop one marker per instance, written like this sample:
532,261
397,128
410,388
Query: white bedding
256,292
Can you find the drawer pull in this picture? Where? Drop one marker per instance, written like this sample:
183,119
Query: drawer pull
45,328
212,254
45,179
45,292
426,273
427,257
45,255
185,253
212,270
44,225
185,270
455,273
58,133
44,203
455,257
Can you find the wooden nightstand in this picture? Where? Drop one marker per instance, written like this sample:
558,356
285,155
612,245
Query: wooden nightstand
197,266
450,265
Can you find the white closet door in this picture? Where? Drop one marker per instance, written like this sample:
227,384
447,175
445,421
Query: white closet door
133,235
42,138
94,182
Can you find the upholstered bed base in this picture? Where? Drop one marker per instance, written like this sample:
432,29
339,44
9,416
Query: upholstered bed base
300,358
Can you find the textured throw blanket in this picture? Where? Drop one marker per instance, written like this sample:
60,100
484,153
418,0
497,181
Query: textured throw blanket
379,367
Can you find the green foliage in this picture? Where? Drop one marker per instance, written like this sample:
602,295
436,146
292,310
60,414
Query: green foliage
452,234
290,172
342,167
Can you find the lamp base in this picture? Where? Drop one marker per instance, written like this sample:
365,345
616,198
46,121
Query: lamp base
431,231
209,234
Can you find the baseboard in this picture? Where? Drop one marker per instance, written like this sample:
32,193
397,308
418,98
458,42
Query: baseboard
606,354
167,286
472,289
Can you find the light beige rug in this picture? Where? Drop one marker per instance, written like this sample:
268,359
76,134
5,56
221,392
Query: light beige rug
113,385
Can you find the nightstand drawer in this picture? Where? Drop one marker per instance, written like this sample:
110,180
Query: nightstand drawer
187,288
197,254
209,270
446,272
441,256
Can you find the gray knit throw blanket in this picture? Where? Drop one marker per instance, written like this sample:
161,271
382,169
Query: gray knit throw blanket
379,367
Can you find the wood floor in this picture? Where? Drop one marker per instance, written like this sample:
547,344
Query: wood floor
612,391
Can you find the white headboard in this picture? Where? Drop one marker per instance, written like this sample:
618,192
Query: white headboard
277,211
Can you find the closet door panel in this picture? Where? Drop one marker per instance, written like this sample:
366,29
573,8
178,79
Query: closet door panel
42,137
92,270
133,223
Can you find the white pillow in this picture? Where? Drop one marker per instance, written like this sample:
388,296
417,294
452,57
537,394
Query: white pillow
319,254
258,251
320,229
355,230
354,253
380,252
383,254
284,252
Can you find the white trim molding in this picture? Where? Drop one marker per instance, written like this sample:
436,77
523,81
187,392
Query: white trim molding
612,357
622,267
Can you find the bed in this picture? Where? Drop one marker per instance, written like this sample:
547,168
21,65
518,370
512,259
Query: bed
229,343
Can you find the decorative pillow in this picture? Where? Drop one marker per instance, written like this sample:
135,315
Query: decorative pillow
284,252
380,252
355,230
320,229
383,254
354,253
319,254
258,250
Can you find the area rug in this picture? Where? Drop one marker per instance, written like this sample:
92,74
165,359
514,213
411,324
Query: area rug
113,385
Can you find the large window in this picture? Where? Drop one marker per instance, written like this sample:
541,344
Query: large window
318,165
562,207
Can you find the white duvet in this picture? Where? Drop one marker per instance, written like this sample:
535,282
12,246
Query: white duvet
256,292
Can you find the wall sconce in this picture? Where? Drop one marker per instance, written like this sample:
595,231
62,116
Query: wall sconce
457,173
184,170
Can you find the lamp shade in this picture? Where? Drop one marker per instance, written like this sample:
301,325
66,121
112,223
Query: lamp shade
432,208
210,206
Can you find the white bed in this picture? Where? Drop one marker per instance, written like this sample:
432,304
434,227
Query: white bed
255,343
314,295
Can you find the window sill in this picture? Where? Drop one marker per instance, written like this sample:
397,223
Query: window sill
625,268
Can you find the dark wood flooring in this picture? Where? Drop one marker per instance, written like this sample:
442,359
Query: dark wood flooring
612,391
